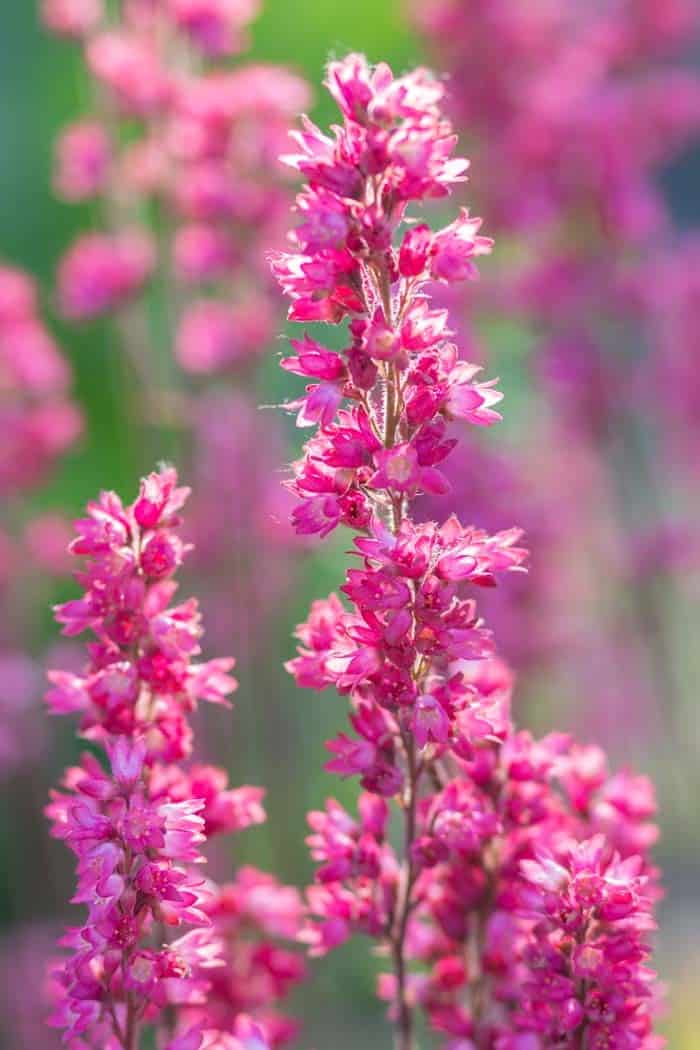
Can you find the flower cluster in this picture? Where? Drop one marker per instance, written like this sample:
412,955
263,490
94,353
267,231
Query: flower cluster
497,957
494,963
138,826
403,379
206,154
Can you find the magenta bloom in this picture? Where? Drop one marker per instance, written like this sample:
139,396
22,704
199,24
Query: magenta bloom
100,273
83,156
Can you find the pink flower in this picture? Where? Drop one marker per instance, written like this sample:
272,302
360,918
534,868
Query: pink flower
83,156
99,273
72,18
214,335
381,342
130,68
203,253
472,402
455,247
214,25
397,469
430,722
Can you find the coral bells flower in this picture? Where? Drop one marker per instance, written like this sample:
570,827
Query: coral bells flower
100,273
593,915
449,902
138,823
393,148
143,678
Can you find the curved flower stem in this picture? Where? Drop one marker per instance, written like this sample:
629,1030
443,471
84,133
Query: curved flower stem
404,1026
131,1034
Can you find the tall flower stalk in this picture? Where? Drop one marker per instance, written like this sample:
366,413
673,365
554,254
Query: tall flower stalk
512,902
161,948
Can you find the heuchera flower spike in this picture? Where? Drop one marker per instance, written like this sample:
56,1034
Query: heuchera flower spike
516,908
160,939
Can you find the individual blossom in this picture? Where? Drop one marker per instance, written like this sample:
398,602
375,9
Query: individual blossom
101,273
83,155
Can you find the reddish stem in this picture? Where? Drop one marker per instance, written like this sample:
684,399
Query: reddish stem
404,1024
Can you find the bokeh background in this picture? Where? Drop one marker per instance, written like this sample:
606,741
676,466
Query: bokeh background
639,705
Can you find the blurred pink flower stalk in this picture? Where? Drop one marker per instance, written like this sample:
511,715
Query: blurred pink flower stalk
39,421
181,152
572,111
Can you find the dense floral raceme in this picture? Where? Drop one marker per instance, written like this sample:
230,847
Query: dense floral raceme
515,910
161,945
586,105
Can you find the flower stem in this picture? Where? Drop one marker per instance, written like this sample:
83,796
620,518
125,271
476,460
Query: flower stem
404,1039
